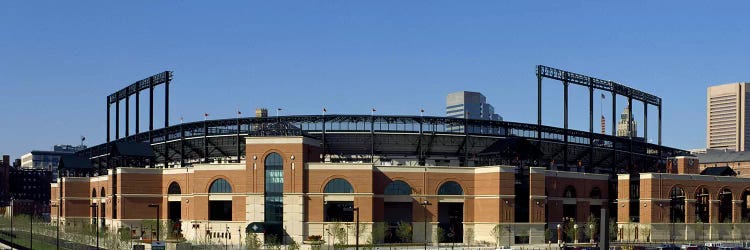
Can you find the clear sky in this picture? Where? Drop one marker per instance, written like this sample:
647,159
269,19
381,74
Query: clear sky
60,59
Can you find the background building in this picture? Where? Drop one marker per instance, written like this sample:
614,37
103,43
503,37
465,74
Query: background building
726,119
471,105
5,181
48,160
627,127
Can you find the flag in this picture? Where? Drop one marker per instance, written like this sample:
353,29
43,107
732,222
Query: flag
421,110
279,109
324,110
603,96
83,138
373,110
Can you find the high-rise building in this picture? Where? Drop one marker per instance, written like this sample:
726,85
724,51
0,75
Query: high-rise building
726,119
471,105
627,127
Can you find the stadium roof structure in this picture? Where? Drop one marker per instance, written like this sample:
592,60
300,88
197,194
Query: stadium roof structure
368,138
384,139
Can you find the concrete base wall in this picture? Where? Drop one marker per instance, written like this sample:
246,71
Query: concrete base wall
684,232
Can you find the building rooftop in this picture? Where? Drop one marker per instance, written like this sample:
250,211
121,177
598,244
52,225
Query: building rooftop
717,156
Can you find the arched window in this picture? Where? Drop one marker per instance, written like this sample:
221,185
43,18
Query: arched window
338,185
701,205
93,193
596,193
450,188
676,205
274,195
220,186
274,161
397,188
102,193
570,192
174,188
725,206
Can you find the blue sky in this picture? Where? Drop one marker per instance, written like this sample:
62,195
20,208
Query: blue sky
58,60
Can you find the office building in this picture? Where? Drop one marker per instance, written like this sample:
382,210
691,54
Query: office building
471,105
627,127
726,120
48,160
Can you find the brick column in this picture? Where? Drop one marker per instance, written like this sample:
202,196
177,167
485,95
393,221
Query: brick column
713,211
623,198
736,211
689,210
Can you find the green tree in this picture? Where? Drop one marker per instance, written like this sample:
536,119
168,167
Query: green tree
592,224
378,233
497,234
252,241
404,231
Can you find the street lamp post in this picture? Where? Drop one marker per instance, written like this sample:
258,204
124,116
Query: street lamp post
158,225
96,223
356,226
424,204
226,239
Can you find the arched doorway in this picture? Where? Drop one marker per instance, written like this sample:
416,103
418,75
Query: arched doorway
676,205
219,207
397,210
338,211
102,207
701,205
94,213
569,203
596,203
725,206
174,207
451,213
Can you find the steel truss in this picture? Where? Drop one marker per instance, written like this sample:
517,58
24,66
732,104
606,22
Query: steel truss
385,137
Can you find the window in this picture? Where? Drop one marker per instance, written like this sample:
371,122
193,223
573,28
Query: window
339,211
220,186
596,193
338,185
450,188
570,192
274,195
174,188
220,210
397,188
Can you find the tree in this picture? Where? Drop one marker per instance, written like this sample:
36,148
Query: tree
497,234
592,224
252,241
469,236
378,233
404,231
439,235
